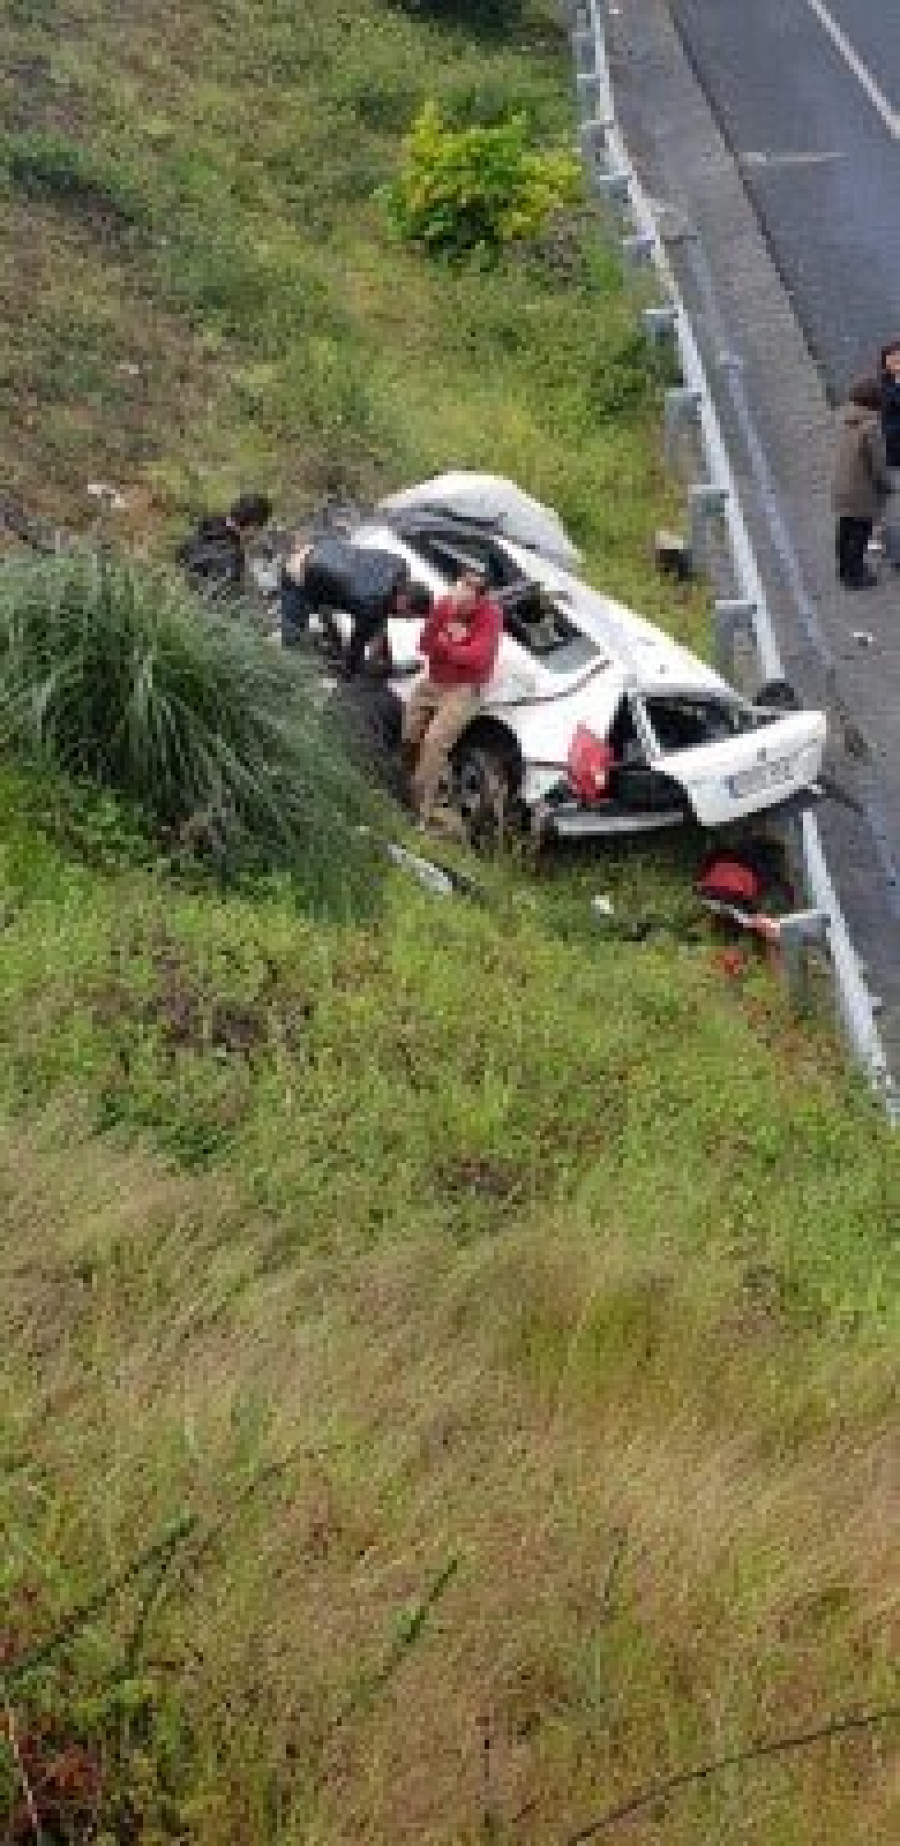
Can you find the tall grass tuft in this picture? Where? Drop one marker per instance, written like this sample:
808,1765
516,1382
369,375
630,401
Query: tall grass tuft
116,674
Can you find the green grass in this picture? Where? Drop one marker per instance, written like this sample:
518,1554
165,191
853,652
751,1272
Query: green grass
476,1244
447,1361
259,322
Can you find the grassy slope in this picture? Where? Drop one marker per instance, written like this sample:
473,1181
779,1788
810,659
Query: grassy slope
470,1240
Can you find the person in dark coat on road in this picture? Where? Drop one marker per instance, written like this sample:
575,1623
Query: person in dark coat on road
890,401
861,481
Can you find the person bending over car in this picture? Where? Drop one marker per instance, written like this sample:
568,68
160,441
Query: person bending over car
368,584
460,642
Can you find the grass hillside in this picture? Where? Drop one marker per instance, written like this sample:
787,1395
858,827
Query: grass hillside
448,1350
200,289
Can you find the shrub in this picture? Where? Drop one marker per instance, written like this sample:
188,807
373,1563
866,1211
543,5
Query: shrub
118,675
477,188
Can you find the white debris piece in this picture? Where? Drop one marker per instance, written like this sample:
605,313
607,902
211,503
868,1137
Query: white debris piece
111,497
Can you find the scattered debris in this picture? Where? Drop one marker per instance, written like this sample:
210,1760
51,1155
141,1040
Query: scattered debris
756,922
672,554
730,962
110,496
602,906
733,888
441,879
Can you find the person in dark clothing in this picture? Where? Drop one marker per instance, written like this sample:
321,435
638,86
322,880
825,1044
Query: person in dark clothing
367,583
861,482
890,401
214,556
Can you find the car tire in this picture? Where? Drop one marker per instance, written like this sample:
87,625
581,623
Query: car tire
778,695
481,789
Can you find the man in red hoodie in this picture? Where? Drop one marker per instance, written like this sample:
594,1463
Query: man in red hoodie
460,641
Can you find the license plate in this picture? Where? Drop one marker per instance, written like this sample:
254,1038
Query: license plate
762,775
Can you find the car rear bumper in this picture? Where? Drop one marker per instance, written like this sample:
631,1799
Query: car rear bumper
568,820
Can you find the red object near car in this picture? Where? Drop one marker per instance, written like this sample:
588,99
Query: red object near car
589,766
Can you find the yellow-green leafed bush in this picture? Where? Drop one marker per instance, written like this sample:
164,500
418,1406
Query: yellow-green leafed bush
479,188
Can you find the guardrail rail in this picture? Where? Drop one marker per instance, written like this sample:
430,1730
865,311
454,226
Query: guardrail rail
612,176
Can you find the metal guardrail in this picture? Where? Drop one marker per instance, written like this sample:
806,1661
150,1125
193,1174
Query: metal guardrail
616,180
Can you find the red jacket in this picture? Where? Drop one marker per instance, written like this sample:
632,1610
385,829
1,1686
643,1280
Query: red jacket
466,662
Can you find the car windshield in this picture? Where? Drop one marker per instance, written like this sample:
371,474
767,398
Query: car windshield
681,723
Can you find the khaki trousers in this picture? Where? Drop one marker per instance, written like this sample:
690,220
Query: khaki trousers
432,721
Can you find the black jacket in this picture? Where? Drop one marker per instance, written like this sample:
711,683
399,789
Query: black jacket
213,556
362,580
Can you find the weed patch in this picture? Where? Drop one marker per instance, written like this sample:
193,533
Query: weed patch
66,173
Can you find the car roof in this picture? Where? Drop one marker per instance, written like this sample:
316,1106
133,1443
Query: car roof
490,500
652,660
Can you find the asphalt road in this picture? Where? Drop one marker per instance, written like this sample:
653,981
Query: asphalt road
774,140
807,94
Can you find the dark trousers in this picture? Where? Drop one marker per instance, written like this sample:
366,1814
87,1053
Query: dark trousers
851,540
295,612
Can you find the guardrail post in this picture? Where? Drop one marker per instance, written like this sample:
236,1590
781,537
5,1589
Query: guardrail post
731,616
592,134
707,502
583,49
797,934
612,184
638,247
660,322
587,85
681,407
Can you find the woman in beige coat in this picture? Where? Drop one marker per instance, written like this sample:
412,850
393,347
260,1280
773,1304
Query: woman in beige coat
861,481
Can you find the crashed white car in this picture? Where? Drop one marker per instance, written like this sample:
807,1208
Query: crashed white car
595,722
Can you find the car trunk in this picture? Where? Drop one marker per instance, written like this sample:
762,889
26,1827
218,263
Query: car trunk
758,769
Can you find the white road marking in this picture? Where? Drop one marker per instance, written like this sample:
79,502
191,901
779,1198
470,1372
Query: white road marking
889,116
789,160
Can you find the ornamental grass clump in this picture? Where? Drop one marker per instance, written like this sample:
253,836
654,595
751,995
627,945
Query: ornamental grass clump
116,674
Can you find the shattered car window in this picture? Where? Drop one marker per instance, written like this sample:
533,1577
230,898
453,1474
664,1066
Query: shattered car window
684,723
536,621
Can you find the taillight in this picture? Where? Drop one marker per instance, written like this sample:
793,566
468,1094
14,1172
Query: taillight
589,764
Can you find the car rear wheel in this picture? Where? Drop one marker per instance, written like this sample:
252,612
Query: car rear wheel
481,789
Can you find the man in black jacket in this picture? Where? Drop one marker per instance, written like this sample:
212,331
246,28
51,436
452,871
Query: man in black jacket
367,583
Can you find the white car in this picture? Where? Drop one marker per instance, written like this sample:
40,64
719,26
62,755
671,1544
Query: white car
594,721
